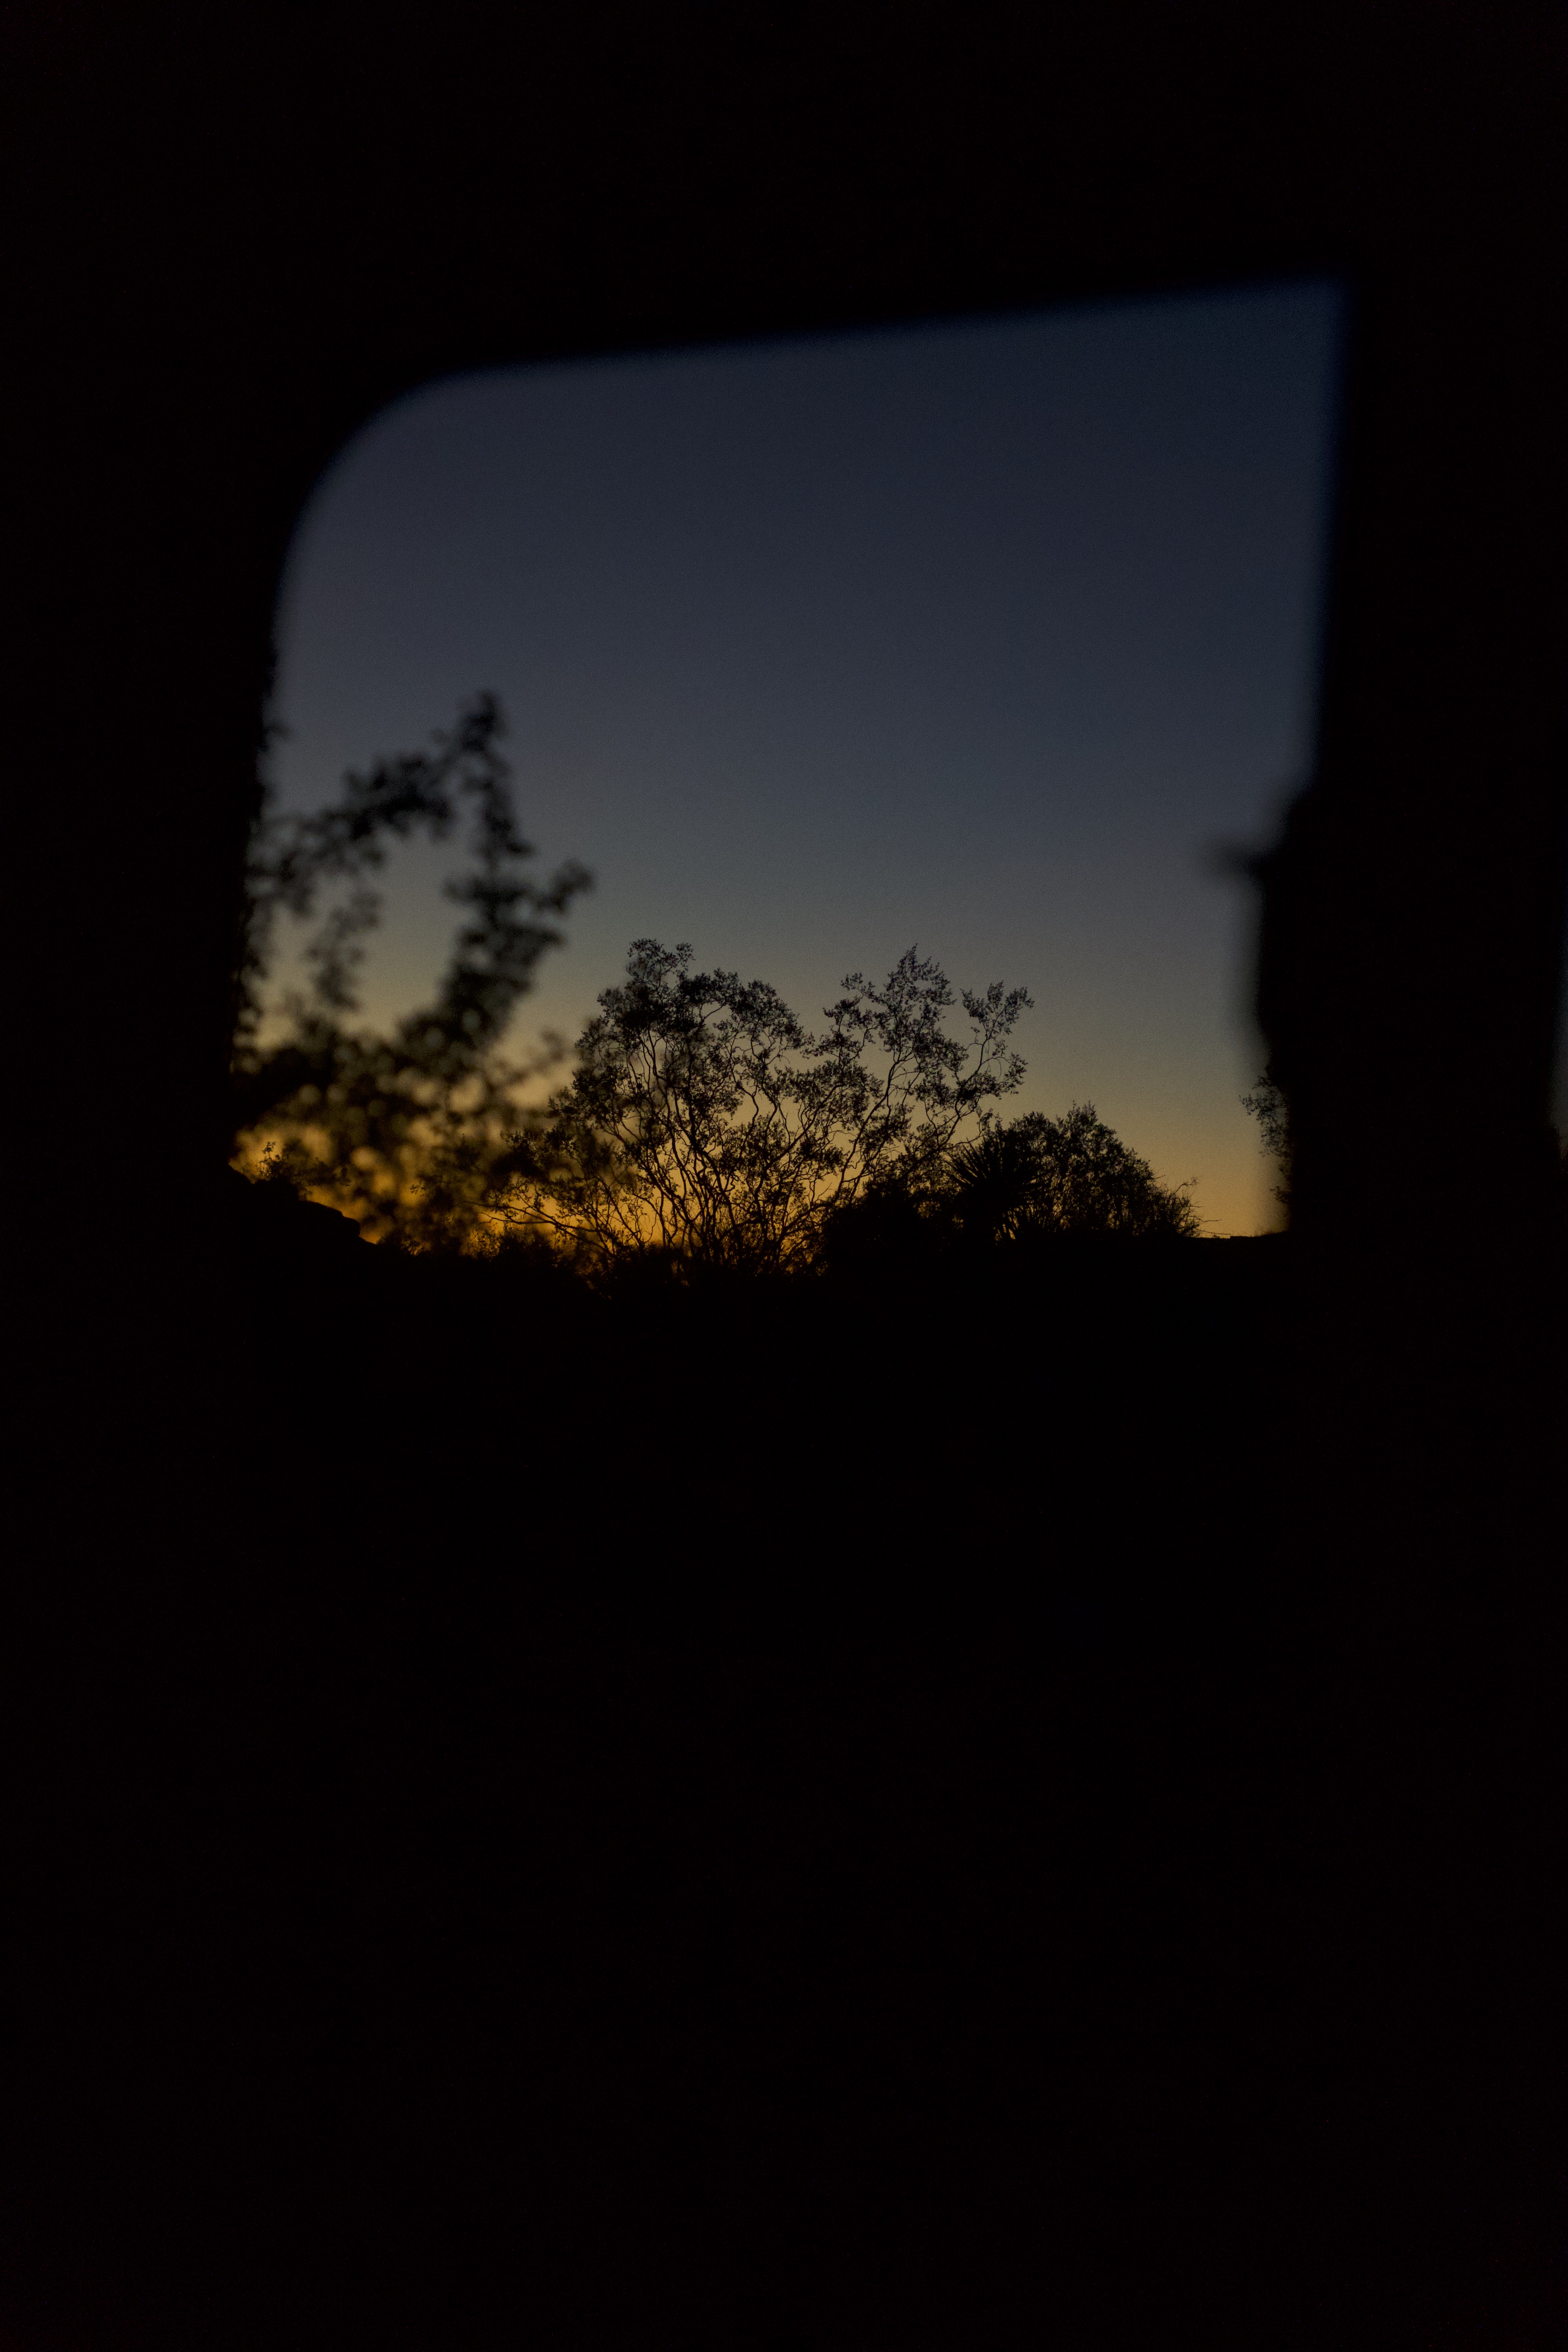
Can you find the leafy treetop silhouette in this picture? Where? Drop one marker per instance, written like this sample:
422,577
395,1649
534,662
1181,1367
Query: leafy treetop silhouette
1057,1176
402,1132
704,1118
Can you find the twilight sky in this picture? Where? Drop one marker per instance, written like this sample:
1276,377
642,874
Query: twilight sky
981,636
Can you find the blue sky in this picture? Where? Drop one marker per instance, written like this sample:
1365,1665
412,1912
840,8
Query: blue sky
982,637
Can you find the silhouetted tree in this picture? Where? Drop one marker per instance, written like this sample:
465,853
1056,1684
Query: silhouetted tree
706,1120
1070,1175
1268,1106
403,1132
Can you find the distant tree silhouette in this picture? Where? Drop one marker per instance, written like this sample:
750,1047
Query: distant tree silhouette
1057,1176
705,1119
402,1132
1268,1106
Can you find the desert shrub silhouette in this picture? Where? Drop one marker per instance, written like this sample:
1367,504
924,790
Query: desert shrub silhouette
705,1121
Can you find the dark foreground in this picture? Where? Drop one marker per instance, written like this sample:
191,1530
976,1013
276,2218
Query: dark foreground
1013,1807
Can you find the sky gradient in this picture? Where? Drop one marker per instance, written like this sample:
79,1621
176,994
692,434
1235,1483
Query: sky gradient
982,637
